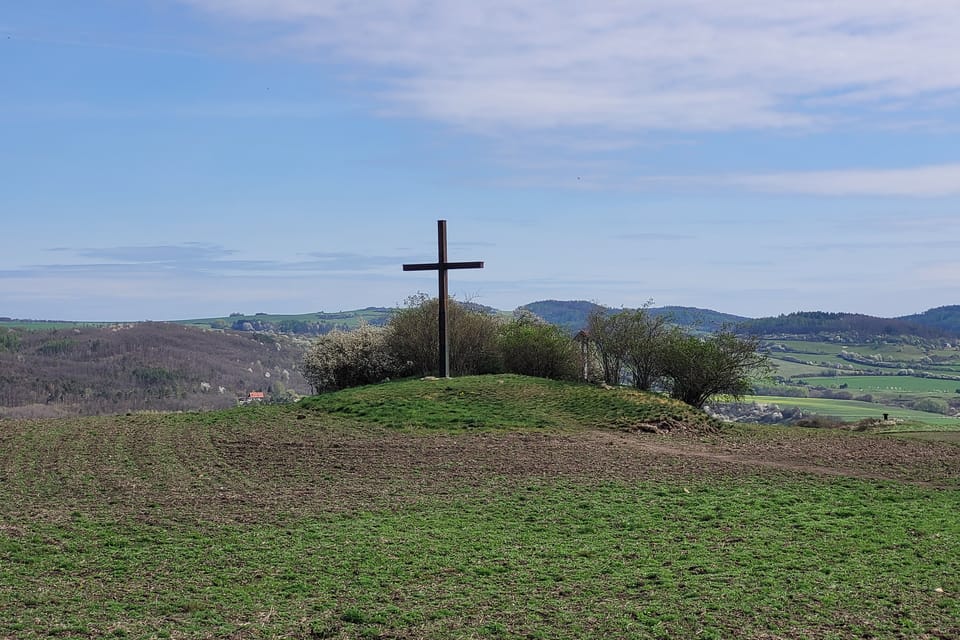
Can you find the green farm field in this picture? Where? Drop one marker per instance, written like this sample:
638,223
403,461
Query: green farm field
485,507
892,351
890,384
788,369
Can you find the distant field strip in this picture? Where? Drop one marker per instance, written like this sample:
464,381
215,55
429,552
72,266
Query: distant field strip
853,410
907,384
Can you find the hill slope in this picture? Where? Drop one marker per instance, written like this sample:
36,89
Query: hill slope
507,402
155,366
946,318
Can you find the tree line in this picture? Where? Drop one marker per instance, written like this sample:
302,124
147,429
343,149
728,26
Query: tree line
632,346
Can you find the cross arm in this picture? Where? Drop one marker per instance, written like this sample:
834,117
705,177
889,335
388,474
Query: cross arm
463,265
427,266
436,266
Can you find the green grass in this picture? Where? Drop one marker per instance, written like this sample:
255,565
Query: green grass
383,512
500,402
546,560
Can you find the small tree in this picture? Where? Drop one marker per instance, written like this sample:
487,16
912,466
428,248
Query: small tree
413,339
608,335
342,359
530,346
722,363
645,339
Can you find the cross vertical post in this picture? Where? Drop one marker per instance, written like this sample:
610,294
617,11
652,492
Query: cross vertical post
444,361
441,266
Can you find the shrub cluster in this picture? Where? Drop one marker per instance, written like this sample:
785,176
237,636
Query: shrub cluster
631,345
635,346
409,346
342,359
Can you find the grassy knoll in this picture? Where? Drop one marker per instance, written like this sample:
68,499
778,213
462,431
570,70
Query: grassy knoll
318,521
501,402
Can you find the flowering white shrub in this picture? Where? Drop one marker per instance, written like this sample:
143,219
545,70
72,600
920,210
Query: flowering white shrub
342,359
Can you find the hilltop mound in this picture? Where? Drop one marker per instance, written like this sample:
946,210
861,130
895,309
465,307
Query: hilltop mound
508,402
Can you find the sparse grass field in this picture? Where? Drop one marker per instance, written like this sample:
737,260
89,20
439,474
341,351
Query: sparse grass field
438,510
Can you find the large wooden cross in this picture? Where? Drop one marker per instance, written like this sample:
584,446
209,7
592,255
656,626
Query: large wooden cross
442,266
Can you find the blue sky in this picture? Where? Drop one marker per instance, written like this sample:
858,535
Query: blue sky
173,159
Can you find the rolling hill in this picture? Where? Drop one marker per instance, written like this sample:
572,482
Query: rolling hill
572,315
946,318
142,366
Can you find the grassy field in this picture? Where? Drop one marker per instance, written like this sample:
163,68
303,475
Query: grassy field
885,387
492,507
888,351
788,369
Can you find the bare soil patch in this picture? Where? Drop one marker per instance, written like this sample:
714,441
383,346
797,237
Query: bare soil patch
253,471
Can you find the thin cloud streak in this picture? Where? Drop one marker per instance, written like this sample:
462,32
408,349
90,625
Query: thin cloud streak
930,181
201,259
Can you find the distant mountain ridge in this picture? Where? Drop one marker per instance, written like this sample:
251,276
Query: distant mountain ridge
937,323
152,366
572,315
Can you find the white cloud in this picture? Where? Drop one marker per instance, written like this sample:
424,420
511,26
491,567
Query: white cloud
658,65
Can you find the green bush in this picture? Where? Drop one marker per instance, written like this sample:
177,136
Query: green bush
412,338
532,347
699,367
932,405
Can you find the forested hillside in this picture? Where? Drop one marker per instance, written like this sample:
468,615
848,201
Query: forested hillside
846,325
945,318
142,366
572,314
